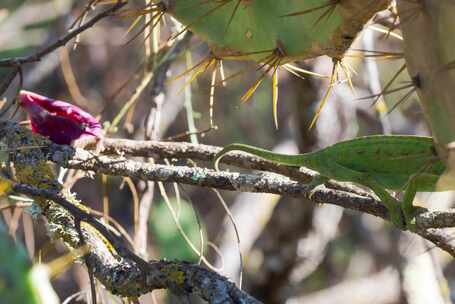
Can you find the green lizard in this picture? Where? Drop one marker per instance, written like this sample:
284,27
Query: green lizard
379,162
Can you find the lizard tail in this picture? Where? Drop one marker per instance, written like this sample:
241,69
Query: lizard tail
290,160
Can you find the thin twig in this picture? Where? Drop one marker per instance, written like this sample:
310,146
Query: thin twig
16,61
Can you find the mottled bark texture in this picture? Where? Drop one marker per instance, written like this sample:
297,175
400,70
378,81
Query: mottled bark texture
119,269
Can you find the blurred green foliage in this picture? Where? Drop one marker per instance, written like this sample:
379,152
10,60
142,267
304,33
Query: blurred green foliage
167,238
15,269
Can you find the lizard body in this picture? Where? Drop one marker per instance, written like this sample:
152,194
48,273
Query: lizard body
379,162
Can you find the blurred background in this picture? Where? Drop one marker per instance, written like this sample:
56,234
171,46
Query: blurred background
293,251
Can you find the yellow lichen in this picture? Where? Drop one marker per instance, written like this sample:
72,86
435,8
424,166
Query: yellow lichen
174,274
105,241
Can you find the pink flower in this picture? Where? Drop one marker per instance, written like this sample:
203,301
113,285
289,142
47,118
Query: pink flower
61,122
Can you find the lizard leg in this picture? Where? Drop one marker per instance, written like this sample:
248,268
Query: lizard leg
317,180
362,178
406,204
391,203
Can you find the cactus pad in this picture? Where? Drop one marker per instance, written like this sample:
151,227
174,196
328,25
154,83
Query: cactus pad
275,30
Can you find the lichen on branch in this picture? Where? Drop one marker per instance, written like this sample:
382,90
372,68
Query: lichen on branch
109,259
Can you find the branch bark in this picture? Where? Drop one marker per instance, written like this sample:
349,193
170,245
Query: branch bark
183,150
115,265
426,221
127,274
265,182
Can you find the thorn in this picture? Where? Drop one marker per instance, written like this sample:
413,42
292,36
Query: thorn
327,93
275,80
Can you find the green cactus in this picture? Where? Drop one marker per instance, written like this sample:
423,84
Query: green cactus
274,32
429,43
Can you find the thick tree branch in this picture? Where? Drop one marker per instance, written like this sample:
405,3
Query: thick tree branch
183,150
264,182
129,275
115,265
